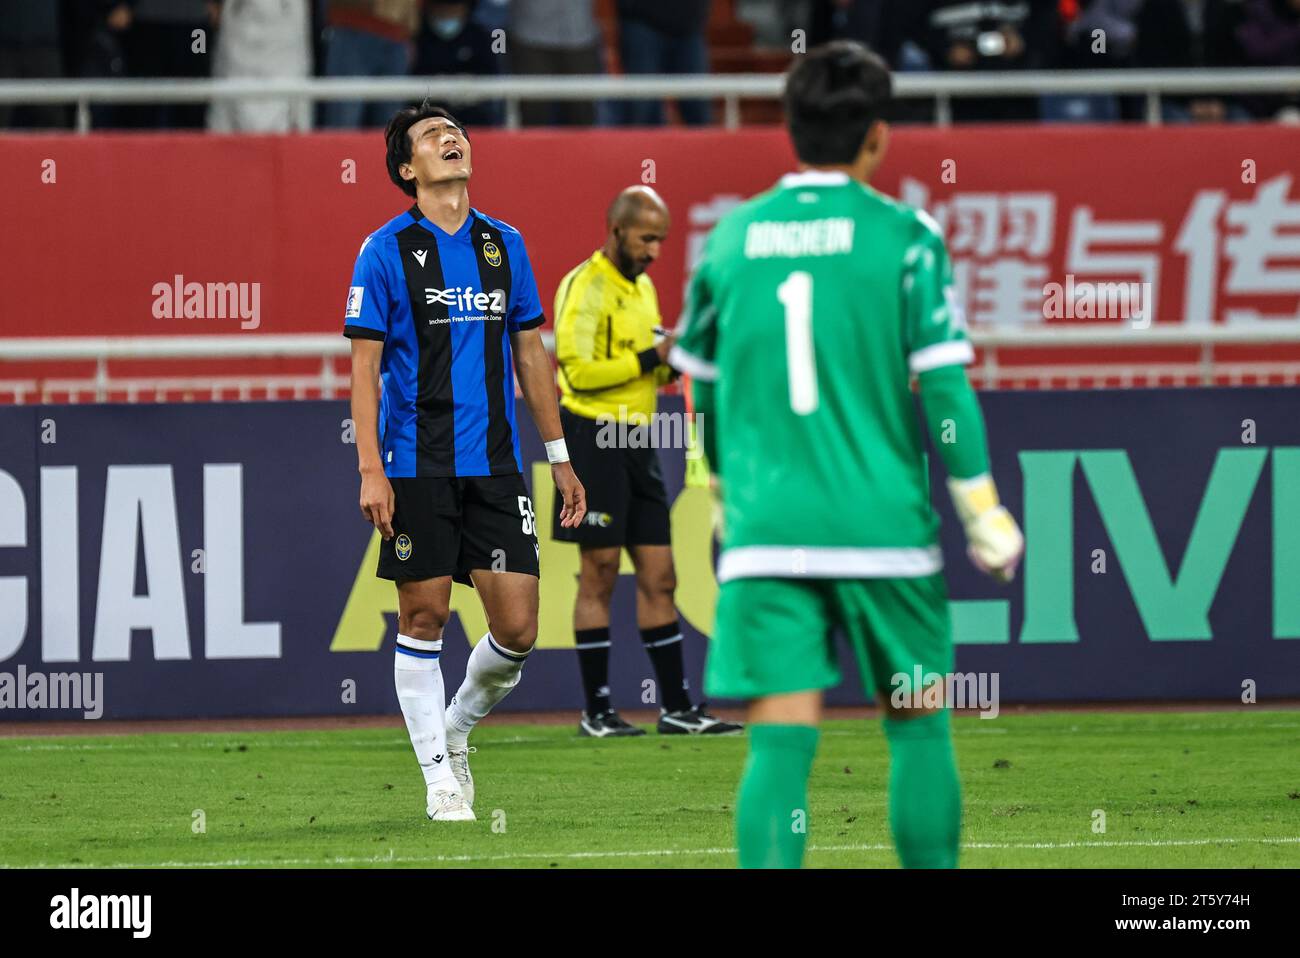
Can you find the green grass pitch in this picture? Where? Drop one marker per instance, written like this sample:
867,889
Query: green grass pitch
1204,789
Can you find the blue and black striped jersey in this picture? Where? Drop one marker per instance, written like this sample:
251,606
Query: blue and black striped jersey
445,306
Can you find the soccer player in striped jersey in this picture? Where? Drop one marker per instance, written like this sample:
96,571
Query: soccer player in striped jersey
443,300
815,304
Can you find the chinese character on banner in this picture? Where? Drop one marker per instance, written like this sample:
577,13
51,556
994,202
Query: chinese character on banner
1266,230
1252,237
1105,254
999,244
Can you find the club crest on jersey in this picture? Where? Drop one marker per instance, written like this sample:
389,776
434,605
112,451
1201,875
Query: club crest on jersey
403,547
492,254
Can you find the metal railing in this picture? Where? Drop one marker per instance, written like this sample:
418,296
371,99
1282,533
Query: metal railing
330,381
730,88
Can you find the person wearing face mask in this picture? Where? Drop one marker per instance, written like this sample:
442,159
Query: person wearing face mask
452,43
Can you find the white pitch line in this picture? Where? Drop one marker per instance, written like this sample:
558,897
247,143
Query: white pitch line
227,744
652,853
229,738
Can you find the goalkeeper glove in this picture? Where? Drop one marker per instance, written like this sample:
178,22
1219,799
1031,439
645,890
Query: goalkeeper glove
715,498
698,475
993,539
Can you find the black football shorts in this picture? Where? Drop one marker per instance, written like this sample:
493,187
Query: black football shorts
627,504
448,526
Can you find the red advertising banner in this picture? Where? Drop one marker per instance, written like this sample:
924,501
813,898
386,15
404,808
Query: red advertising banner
101,232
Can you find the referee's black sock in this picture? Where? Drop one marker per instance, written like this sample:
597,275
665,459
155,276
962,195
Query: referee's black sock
663,644
593,661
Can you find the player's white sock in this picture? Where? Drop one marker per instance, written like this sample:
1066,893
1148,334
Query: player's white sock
489,676
418,678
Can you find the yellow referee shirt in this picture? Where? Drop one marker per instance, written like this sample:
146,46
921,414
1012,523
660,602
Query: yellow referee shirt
604,341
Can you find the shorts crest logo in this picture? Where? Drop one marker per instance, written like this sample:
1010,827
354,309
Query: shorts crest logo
403,547
492,254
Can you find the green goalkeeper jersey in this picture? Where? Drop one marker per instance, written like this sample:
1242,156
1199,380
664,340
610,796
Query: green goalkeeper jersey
813,306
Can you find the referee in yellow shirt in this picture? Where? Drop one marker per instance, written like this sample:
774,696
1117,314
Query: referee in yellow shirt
611,355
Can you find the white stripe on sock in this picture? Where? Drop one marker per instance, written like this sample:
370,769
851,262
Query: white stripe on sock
668,641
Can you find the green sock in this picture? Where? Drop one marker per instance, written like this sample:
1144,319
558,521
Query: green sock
772,810
924,794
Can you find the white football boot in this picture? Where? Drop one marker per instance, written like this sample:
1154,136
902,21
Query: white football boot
458,758
447,805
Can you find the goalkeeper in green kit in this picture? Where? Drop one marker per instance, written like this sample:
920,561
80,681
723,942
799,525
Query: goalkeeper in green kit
814,305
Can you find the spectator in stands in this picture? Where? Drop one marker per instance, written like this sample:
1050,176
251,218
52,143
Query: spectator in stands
1188,34
91,33
960,35
93,49
493,14
556,36
169,38
368,38
29,49
1270,37
263,39
451,43
883,25
895,31
663,36
1095,35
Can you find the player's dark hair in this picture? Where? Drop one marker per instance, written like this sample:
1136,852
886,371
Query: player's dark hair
398,140
832,97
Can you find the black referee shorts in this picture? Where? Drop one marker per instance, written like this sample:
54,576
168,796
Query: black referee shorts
448,526
627,504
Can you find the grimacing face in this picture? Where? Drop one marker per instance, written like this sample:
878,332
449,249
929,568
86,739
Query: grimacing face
440,152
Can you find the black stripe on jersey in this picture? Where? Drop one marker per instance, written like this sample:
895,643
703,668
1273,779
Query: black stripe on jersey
435,425
362,332
500,437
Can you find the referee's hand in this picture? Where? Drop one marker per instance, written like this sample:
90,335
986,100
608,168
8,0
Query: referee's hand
574,509
377,502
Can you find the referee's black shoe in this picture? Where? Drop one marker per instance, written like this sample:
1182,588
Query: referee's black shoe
606,724
695,721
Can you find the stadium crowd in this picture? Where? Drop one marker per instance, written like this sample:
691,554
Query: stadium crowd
386,38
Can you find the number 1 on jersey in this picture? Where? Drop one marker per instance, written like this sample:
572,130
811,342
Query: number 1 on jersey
795,295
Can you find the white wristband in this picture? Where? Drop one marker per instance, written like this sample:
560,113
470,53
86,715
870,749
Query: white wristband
557,451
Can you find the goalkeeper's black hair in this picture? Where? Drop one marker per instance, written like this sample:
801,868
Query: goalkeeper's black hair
833,95
398,140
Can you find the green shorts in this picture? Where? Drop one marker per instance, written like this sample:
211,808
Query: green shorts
775,635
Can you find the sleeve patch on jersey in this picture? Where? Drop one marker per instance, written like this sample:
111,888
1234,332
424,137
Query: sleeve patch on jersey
355,294
954,352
